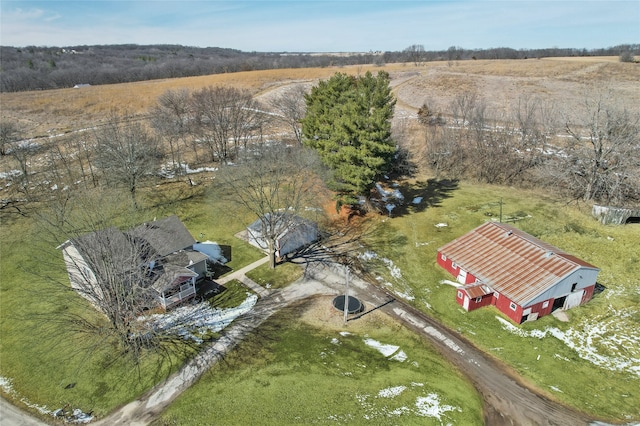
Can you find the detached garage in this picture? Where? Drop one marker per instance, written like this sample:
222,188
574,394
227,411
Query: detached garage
524,277
292,233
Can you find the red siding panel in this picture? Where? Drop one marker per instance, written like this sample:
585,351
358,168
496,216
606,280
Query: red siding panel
509,260
504,305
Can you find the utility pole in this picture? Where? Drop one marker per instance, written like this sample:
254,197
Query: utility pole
346,297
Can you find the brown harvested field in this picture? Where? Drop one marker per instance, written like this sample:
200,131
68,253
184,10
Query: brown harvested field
562,82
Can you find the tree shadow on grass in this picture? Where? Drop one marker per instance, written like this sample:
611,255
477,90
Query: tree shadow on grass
422,195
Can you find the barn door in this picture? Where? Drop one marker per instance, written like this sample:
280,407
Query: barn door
573,299
466,303
462,277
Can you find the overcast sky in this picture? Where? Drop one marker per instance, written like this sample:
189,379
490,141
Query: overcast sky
322,26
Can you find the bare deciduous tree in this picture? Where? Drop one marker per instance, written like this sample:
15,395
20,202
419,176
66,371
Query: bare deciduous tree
601,161
9,133
275,183
225,116
462,107
23,153
85,149
489,149
290,108
170,118
126,153
110,268
415,53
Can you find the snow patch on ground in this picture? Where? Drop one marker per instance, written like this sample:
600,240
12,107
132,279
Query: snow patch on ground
384,349
391,392
390,198
394,271
74,415
169,170
212,250
399,356
430,406
610,342
451,283
192,321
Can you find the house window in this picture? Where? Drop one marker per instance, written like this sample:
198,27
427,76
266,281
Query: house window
443,257
459,295
454,265
545,304
478,299
513,306
573,287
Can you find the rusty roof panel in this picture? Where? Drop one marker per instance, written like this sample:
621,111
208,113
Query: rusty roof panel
511,261
477,290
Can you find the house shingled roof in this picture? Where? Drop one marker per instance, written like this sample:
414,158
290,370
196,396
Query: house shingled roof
511,261
165,236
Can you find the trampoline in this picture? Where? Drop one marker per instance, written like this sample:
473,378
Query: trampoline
354,305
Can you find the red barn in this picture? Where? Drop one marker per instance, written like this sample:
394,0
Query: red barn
522,276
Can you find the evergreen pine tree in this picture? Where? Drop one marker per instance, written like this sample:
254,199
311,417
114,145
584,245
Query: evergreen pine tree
348,122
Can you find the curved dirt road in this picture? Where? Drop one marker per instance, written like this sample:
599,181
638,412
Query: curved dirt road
506,400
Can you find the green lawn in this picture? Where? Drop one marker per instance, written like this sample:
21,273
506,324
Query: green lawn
292,372
598,350
49,367
44,363
283,275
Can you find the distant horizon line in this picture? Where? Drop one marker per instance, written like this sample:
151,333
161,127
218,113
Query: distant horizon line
328,52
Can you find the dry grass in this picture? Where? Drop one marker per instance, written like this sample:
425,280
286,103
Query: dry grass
53,111
500,82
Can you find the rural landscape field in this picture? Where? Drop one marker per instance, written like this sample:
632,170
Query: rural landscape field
304,365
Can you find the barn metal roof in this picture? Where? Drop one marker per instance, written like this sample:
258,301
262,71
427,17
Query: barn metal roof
511,261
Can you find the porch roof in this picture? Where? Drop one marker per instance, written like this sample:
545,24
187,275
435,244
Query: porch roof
172,276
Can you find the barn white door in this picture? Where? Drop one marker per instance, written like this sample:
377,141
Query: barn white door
462,276
466,303
573,299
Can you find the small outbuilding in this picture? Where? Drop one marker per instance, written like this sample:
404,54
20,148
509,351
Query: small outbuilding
524,277
293,233
608,215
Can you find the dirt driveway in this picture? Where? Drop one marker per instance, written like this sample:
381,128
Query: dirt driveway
507,401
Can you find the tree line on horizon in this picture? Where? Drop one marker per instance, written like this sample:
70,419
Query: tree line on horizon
44,68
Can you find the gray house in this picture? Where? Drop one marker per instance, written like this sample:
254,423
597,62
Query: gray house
158,256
